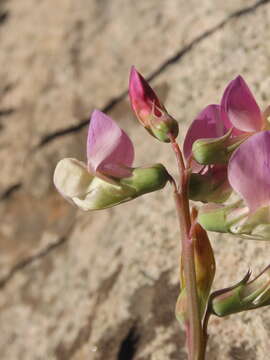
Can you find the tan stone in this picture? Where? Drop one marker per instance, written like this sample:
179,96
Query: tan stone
59,62
116,270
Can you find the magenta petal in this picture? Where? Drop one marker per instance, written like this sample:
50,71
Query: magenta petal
249,170
241,107
142,96
208,124
109,149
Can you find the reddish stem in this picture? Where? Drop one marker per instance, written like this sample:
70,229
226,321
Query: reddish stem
196,348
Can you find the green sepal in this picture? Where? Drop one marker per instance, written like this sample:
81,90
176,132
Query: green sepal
147,179
162,128
211,151
212,217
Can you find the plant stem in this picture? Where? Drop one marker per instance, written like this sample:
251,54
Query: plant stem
196,348
204,327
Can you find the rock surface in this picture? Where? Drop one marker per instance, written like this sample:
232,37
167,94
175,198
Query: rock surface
77,285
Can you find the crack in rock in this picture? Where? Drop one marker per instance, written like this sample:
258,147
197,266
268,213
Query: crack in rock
4,15
6,194
74,128
50,137
129,345
162,67
6,112
29,260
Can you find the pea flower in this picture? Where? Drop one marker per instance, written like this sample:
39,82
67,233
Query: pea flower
248,174
108,178
149,110
243,114
208,182
215,134
246,295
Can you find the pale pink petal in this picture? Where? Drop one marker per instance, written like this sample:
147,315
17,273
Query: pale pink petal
249,170
208,124
242,110
109,149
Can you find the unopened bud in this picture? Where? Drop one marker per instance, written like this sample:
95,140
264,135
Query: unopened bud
205,269
205,266
149,110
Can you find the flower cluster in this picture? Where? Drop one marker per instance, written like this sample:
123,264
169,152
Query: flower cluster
108,178
226,168
228,146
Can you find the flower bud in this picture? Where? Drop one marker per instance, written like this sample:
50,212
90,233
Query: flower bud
205,266
205,269
89,192
149,110
211,151
246,295
181,311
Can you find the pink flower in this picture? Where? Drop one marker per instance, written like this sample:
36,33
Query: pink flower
207,125
238,112
249,171
217,131
207,182
241,108
108,179
110,151
248,212
149,110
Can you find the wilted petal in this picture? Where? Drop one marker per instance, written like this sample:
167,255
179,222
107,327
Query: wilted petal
208,124
71,178
242,110
249,170
109,149
89,192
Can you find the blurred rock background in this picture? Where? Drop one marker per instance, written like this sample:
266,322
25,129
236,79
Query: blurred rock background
102,286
